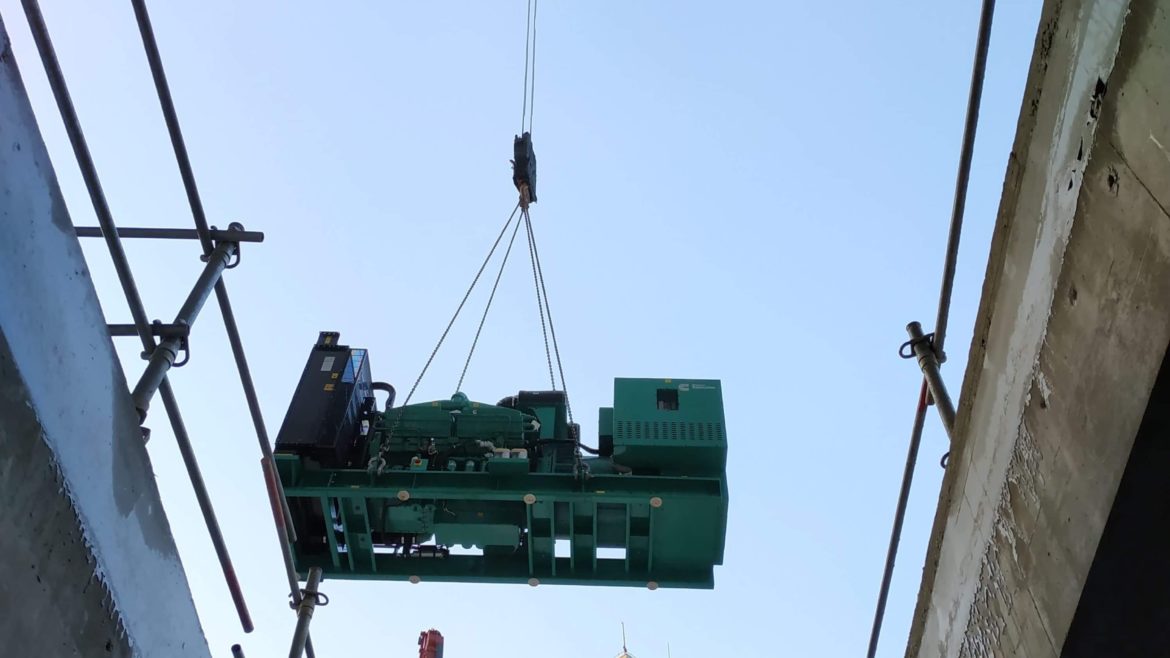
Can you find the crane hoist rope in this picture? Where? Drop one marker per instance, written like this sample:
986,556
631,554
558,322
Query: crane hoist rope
487,307
548,311
547,327
462,302
523,157
524,178
529,64
539,297
542,306
544,309
378,462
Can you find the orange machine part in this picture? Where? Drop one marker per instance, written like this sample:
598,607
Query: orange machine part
430,644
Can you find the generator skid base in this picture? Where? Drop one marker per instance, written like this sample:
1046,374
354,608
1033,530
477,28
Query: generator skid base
463,491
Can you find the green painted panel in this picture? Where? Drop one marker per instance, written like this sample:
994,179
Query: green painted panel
478,535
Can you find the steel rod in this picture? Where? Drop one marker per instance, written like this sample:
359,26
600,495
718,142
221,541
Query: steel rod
272,481
233,333
305,613
187,172
165,354
950,264
205,506
271,477
963,177
217,235
97,196
899,518
928,361
156,329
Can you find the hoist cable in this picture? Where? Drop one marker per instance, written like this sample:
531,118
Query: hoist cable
551,327
532,89
527,57
488,306
461,303
539,298
378,462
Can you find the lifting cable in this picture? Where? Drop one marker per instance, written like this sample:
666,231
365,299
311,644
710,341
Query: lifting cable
529,65
539,298
542,304
491,298
377,463
534,254
547,310
462,303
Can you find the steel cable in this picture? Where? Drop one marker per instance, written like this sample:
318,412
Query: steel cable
527,58
460,307
551,327
488,306
532,89
539,299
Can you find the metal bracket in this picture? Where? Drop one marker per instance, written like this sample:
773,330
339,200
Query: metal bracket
235,229
310,599
165,356
906,351
921,346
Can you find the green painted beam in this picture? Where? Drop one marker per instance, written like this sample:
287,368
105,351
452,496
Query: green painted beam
331,537
471,569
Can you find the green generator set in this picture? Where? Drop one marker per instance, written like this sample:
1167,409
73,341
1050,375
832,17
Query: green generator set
463,491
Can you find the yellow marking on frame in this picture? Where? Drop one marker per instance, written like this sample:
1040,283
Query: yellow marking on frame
329,387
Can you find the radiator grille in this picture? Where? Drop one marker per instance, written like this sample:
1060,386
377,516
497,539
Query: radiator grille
653,430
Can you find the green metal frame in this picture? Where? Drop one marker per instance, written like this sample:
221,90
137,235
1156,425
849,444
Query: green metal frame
671,524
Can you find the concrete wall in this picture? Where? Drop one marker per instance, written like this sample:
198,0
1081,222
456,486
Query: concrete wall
1072,328
91,568
1125,604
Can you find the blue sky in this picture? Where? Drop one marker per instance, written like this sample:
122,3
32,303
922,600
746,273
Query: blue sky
754,192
